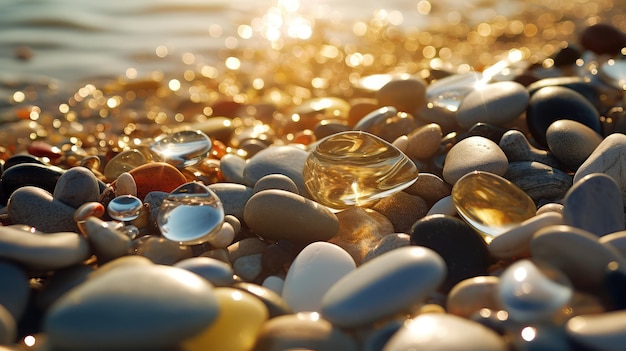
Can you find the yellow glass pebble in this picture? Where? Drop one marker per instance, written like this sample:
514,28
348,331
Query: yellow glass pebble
491,204
355,168
236,328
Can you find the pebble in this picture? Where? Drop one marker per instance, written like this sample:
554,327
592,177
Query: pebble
248,267
603,38
539,181
594,203
278,214
160,250
571,142
375,118
429,187
550,104
38,208
241,316
473,294
287,160
42,251
77,186
515,243
123,162
387,243
389,284
275,181
232,167
445,206
605,331
405,93
464,250
15,299
134,298
580,85
316,268
27,174
441,331
233,197
402,209
575,252
474,154
424,141
617,240
155,176
107,243
125,185
607,158
302,331
223,237
216,272
63,281
497,103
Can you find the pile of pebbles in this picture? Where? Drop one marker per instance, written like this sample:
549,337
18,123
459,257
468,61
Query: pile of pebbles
537,262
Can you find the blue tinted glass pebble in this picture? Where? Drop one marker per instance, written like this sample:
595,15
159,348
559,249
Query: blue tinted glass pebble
183,148
190,214
530,292
124,208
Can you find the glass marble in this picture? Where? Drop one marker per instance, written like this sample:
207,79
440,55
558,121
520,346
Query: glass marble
124,208
355,168
530,291
183,148
191,214
491,204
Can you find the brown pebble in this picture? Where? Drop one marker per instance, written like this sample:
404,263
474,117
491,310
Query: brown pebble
406,94
429,187
402,209
156,176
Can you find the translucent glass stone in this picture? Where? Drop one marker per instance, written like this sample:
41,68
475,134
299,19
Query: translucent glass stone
491,204
447,93
124,208
182,149
355,168
530,291
191,214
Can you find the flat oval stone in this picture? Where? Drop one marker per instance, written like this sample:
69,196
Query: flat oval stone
125,185
539,181
233,196
241,316
316,268
275,181
532,292
424,141
463,249
216,272
43,252
27,174
406,93
607,158
15,298
576,252
429,187
497,103
303,331
550,104
580,85
107,242
440,331
356,168
474,154
77,186
232,167
146,298
279,214
516,241
595,204
571,142
473,294
602,331
34,206
389,284
491,204
287,160
156,176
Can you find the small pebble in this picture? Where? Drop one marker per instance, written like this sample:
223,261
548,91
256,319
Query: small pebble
473,294
474,154
571,142
424,141
605,331
216,272
285,160
275,181
607,158
496,103
107,242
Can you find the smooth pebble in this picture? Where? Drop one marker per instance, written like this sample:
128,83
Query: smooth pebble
216,272
36,207
496,103
287,160
607,158
472,154
571,142
15,291
473,294
603,331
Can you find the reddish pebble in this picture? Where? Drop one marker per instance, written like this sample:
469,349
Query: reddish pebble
156,176
43,149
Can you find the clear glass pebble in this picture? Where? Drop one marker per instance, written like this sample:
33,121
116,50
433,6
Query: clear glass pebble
355,168
124,208
191,214
491,204
182,149
531,292
448,92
